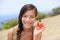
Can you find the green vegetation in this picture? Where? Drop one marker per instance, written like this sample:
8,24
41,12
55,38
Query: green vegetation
9,23
41,15
1,28
54,12
12,22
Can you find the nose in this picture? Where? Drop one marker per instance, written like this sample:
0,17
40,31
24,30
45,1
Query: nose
28,19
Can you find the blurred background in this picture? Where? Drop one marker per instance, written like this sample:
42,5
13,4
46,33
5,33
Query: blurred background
48,11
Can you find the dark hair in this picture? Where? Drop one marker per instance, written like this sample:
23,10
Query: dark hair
24,9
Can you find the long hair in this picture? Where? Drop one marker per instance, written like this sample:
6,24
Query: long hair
23,10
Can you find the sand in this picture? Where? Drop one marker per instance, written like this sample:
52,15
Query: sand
52,28
51,32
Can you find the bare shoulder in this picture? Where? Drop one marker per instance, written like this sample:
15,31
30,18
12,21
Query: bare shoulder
10,31
10,34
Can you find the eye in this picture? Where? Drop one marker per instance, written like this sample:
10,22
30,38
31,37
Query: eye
25,16
31,16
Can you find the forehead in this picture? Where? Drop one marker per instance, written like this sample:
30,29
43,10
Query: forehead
30,12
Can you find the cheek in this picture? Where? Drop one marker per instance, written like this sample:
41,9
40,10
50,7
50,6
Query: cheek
23,20
33,20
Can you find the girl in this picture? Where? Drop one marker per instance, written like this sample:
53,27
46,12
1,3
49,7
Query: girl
25,29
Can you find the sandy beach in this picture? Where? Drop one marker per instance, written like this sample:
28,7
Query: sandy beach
52,28
51,32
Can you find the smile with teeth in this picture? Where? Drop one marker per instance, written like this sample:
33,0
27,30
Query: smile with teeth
27,24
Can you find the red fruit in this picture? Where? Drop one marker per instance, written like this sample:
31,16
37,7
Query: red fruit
39,24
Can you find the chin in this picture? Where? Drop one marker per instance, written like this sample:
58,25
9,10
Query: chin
27,26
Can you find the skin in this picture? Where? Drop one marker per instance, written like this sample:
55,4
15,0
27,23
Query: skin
28,20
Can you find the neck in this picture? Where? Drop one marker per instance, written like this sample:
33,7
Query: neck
28,30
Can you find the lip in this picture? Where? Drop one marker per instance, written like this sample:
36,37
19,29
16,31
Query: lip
27,24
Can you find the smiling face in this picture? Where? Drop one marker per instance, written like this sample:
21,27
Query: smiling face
28,19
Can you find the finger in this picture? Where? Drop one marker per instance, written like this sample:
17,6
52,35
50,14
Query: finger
37,31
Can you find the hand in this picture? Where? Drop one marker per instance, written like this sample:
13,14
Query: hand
37,30
37,33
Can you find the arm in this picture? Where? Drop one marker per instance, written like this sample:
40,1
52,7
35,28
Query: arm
37,34
10,34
